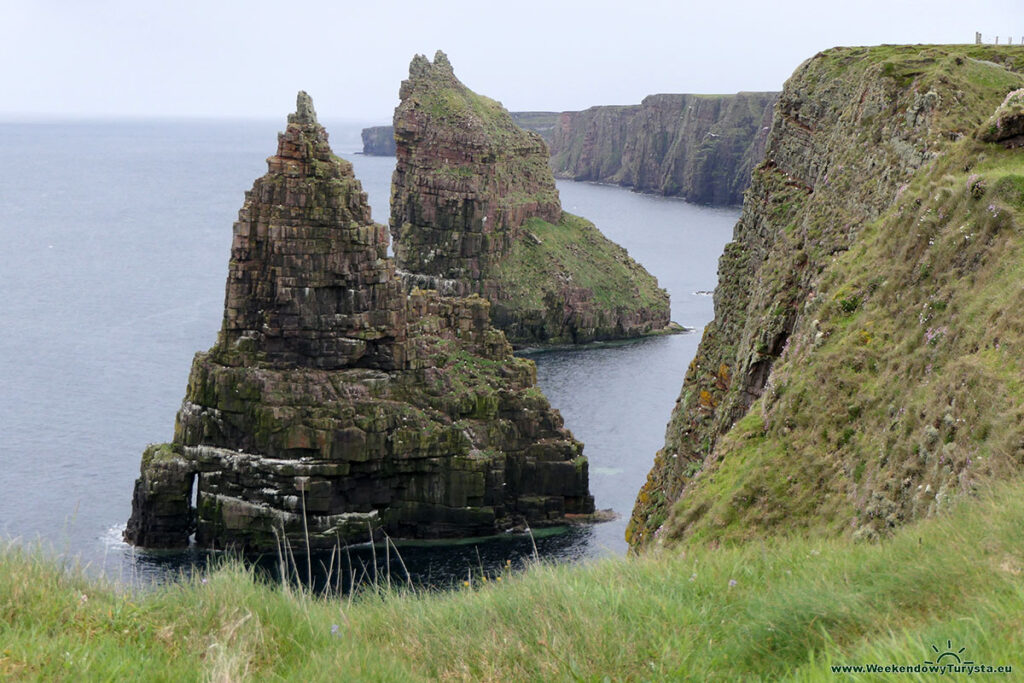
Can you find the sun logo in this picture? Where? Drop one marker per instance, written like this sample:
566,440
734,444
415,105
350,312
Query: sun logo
948,657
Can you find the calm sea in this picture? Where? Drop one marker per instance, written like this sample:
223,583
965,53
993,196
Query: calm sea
115,241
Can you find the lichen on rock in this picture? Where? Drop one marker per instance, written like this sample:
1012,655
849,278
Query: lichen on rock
470,189
334,401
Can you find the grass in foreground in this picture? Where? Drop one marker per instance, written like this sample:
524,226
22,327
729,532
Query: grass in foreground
788,609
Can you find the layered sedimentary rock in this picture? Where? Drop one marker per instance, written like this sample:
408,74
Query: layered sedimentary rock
856,373
380,140
699,147
293,296
334,403
474,209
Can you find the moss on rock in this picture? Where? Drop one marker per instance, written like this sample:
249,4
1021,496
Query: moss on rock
475,210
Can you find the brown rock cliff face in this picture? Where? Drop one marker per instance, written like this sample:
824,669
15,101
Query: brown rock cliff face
467,177
292,296
379,141
474,209
699,147
333,401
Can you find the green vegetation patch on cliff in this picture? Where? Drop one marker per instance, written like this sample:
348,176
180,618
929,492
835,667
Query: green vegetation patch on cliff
901,388
573,282
855,400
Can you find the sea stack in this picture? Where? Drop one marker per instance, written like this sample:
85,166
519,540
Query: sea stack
309,281
474,210
333,401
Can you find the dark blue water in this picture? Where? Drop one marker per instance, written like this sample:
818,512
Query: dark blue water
115,240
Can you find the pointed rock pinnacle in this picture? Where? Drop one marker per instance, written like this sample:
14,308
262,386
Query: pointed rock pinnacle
304,111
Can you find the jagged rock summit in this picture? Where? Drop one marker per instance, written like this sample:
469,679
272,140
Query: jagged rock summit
309,281
474,209
333,401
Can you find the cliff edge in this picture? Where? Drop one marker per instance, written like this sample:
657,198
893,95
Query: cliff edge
334,403
702,148
861,369
474,209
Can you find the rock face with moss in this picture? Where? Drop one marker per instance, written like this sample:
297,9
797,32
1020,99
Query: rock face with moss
699,147
333,402
474,209
379,141
862,367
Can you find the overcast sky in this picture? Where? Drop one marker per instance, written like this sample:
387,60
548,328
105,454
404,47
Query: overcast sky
210,58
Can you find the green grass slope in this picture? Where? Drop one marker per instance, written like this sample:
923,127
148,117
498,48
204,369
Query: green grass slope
860,370
568,283
786,609
903,387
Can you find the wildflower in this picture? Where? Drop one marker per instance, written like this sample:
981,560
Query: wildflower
204,580
693,577
335,631
465,583
732,582
83,598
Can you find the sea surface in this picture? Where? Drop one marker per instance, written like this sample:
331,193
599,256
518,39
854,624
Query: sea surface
114,244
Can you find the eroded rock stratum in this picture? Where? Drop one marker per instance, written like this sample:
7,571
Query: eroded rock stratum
474,210
334,402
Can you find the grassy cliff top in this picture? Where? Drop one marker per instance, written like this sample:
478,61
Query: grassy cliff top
433,89
787,609
899,389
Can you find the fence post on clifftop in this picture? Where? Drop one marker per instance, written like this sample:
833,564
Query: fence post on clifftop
977,38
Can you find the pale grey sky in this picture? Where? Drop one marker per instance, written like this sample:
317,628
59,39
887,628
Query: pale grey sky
230,58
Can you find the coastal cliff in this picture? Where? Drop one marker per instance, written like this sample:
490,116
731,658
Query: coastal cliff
334,403
698,147
379,141
862,367
474,210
